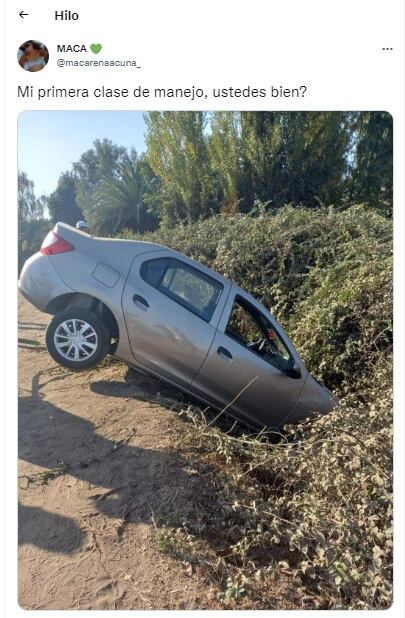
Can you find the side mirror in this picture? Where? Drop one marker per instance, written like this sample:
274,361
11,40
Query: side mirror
294,371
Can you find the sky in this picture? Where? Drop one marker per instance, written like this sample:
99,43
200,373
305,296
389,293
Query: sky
49,142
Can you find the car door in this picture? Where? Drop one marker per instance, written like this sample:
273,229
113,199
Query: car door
256,386
172,307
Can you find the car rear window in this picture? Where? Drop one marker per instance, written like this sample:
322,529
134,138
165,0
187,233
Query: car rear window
184,284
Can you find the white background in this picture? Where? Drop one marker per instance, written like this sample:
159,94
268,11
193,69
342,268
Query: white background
334,47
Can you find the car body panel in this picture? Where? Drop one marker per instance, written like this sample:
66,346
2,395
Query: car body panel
314,397
259,391
167,339
165,336
40,283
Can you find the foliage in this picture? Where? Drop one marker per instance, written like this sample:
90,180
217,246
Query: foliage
31,234
111,185
314,508
177,153
32,227
62,203
29,207
225,161
118,200
94,166
224,146
373,161
294,157
197,164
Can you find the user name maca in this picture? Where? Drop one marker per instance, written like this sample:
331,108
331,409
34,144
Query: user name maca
71,47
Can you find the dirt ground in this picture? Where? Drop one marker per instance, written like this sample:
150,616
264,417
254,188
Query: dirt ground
96,472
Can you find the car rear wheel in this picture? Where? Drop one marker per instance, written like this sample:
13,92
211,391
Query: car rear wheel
77,338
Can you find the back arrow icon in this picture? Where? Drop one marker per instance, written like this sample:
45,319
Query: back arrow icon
22,14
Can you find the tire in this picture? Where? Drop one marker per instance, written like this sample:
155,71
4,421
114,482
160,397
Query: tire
77,339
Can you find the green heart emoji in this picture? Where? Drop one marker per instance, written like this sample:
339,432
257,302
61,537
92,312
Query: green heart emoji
96,48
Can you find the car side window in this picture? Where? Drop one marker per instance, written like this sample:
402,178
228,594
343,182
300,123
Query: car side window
152,271
249,327
241,325
184,284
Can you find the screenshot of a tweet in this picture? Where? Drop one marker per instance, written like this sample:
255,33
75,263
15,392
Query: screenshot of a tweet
204,239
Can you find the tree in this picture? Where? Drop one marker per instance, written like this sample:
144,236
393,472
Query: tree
294,157
118,200
32,233
177,153
263,157
31,226
373,160
62,203
96,165
152,195
29,207
224,146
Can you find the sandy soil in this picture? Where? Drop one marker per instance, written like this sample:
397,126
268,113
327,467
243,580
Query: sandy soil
87,536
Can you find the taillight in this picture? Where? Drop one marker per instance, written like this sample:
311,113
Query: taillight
54,244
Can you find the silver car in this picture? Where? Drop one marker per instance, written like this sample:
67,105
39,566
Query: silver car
163,313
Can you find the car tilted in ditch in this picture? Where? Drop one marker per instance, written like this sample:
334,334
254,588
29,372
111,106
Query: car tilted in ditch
165,314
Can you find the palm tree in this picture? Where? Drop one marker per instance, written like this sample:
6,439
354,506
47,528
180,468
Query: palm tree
118,200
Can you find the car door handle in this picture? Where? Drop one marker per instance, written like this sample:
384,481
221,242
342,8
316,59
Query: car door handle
224,353
140,300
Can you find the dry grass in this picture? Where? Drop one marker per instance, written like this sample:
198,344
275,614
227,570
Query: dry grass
313,508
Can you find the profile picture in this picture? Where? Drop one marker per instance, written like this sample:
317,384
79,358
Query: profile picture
32,56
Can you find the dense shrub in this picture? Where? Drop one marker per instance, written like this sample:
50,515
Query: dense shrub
314,510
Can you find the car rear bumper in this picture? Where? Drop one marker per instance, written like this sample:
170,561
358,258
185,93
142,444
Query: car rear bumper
39,282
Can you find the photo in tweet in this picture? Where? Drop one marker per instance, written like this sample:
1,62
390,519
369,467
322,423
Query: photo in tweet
205,359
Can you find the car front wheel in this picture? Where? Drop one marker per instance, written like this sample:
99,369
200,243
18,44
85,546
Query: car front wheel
77,339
